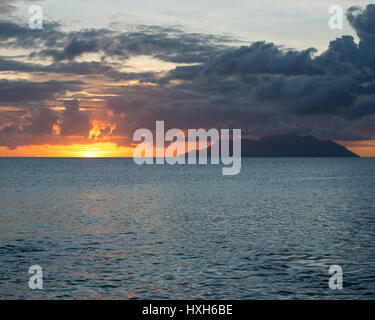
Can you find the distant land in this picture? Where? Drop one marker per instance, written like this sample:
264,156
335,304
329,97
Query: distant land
291,145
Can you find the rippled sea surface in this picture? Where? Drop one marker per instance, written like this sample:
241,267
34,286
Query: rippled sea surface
110,229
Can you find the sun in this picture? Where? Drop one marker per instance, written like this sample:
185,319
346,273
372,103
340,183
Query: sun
96,150
91,154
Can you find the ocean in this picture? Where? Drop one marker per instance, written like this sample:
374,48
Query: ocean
110,229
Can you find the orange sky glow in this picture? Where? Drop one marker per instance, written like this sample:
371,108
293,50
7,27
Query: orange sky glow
365,148
110,149
95,150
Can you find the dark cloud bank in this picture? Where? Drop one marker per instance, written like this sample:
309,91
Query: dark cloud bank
261,88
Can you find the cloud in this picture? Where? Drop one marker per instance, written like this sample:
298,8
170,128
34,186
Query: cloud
339,82
260,87
166,44
22,91
262,57
41,125
35,123
362,20
74,122
13,35
92,68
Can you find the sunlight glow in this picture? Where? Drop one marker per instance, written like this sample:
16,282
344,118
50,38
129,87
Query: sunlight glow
91,154
96,150
364,148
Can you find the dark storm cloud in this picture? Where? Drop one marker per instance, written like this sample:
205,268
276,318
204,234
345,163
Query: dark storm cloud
73,121
261,57
34,123
339,82
162,43
98,68
13,35
76,48
75,44
141,107
22,91
92,68
12,65
362,20
325,94
261,88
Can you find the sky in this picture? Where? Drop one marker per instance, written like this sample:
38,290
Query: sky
99,70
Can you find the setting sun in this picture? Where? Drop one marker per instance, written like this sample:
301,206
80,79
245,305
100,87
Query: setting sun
96,150
91,154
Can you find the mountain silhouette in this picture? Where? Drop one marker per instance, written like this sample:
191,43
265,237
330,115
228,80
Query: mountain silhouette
290,146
